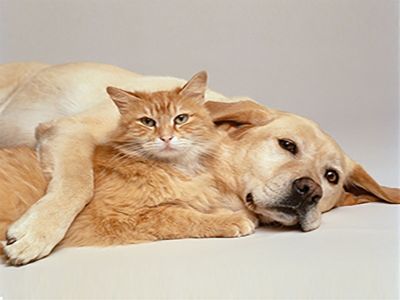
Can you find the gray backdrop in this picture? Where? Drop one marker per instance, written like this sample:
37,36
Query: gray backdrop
333,61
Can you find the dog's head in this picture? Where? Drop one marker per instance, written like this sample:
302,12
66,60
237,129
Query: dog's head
291,170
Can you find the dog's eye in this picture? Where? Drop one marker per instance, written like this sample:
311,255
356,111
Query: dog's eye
288,145
332,176
147,121
180,119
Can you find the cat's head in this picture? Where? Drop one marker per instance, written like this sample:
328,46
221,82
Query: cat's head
168,125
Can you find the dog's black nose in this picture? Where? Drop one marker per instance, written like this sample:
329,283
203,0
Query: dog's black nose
305,190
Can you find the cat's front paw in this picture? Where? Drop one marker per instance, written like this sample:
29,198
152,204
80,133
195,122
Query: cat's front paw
239,224
30,238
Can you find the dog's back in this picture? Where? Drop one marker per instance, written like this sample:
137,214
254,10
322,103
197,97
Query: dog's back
12,75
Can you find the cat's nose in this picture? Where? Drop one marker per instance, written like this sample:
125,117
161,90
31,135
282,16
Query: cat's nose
166,138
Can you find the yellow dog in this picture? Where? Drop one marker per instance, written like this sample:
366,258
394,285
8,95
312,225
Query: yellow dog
278,153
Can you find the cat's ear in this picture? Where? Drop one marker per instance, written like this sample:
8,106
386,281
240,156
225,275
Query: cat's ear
196,87
122,99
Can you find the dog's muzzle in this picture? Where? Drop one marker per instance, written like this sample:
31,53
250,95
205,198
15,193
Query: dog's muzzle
305,193
302,201
300,204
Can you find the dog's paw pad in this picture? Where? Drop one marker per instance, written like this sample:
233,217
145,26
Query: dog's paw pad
28,240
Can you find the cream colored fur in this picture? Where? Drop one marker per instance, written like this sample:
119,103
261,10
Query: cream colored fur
72,100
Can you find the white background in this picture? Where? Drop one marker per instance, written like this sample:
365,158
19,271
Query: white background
333,61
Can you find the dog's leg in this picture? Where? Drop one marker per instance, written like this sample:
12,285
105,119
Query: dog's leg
65,148
68,162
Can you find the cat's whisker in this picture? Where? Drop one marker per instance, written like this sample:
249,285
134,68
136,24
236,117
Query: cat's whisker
142,124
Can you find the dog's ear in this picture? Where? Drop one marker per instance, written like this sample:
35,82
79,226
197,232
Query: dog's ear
238,116
122,99
362,188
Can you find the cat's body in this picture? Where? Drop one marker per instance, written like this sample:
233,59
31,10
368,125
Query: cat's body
135,199
163,175
22,183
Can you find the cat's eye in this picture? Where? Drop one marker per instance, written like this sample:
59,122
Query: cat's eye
288,145
147,121
180,119
332,176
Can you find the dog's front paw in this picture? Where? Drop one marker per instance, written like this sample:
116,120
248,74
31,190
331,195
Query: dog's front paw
30,238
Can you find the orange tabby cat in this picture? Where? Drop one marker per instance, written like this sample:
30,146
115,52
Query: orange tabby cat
152,180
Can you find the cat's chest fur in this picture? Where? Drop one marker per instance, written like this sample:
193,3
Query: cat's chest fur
127,185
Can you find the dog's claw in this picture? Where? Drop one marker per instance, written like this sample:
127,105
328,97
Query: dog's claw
11,241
